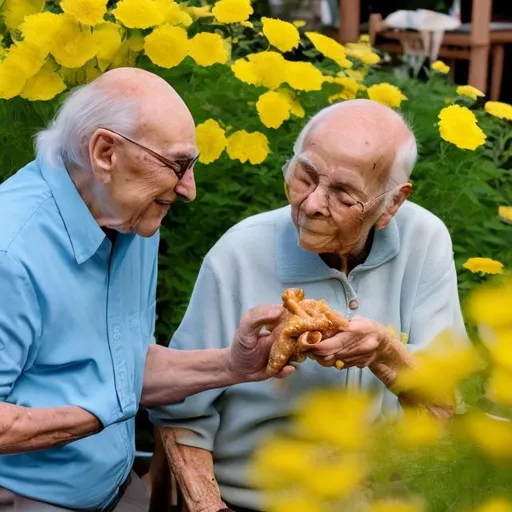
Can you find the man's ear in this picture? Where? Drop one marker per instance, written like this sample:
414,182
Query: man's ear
102,155
401,195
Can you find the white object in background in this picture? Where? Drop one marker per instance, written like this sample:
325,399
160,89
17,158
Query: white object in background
455,10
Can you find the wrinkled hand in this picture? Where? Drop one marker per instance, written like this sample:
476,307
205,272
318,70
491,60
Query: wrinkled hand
362,344
249,353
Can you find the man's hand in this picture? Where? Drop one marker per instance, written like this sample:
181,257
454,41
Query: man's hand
249,353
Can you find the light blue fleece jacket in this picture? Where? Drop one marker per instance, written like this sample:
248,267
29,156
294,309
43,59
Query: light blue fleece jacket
408,282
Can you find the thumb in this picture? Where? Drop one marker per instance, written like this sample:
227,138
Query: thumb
256,318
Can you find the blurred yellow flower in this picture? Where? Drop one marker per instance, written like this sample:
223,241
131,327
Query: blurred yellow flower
108,37
211,141
87,12
440,67
483,266
245,146
27,57
208,49
499,109
299,23
247,24
458,126
303,76
386,94
505,212
469,91
337,417
281,34
363,53
395,505
489,305
417,428
264,68
490,434
12,79
138,13
329,48
14,11
294,502
273,108
45,85
167,45
173,13
232,11
40,29
496,504
364,38
349,85
356,74
197,12
499,384
72,46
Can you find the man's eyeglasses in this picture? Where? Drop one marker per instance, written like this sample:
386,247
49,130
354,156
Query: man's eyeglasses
178,167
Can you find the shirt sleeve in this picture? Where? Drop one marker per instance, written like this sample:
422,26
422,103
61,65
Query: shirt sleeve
437,306
20,321
210,322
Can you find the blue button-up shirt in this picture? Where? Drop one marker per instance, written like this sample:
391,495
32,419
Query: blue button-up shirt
77,314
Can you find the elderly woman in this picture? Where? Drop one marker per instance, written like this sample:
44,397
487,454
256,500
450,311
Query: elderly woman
348,236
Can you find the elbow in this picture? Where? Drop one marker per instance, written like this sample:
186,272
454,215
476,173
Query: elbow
10,419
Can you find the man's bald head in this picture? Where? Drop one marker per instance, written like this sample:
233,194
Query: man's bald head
372,136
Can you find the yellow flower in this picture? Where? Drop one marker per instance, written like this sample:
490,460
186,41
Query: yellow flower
281,34
496,504
418,428
299,23
364,38
40,29
294,502
458,126
363,53
491,435
87,12
211,141
303,76
73,46
440,67
12,79
14,11
469,91
138,13
499,385
395,505
386,94
264,68
167,46
232,11
483,266
505,212
490,305
247,24
499,109
173,13
244,146
208,49
356,74
27,57
197,12
273,108
350,88
44,86
108,37
337,417
329,48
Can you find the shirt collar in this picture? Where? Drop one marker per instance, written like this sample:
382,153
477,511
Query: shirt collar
294,264
85,234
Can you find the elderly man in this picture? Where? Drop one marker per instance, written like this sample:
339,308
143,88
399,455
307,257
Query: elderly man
78,265
348,236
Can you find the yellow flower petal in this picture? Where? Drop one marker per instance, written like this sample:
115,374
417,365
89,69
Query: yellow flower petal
208,49
483,266
244,146
264,68
43,86
138,13
12,79
87,12
440,67
197,12
281,34
109,40
167,46
329,48
499,109
469,91
173,13
232,11
27,57
505,212
303,76
496,504
211,141
490,305
418,428
386,94
299,23
273,108
363,53
40,29
458,126
395,505
15,11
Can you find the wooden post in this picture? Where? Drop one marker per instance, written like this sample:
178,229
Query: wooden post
350,19
497,71
480,44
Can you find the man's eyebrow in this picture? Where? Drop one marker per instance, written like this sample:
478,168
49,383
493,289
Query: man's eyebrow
304,160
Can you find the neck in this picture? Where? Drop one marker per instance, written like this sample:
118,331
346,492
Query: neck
347,262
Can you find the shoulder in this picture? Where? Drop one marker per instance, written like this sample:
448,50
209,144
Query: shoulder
22,198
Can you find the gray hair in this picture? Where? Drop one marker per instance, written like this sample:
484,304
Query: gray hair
86,108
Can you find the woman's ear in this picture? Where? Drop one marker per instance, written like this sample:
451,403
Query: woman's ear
102,155
401,195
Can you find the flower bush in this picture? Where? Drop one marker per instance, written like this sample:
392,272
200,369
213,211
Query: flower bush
251,82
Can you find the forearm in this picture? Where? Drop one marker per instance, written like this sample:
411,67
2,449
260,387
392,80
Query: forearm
193,470
173,375
24,429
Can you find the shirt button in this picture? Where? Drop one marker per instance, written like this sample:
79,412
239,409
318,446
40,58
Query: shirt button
117,333
353,304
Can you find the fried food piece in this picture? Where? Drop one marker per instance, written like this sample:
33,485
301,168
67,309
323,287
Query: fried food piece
304,324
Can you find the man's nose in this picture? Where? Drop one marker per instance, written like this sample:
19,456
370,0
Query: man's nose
316,204
186,187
